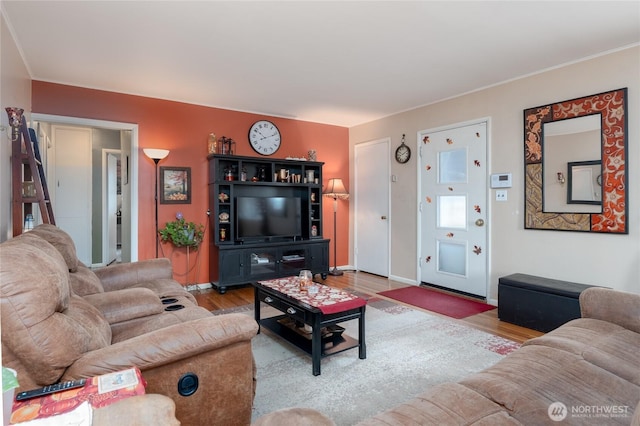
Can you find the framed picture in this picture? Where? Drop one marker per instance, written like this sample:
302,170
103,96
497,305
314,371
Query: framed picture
175,185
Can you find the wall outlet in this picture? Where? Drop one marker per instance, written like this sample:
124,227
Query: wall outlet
501,195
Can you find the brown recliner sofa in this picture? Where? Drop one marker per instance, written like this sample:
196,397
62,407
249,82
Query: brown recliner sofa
63,321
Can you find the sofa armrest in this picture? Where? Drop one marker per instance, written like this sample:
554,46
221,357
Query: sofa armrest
165,346
614,306
124,275
124,305
211,357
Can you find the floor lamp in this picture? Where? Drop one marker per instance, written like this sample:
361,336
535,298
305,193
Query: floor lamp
156,155
335,189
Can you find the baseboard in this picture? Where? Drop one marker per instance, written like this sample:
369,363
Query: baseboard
403,280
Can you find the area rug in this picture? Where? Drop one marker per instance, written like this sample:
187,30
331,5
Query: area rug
407,352
436,301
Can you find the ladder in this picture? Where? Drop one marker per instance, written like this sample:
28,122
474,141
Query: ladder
27,163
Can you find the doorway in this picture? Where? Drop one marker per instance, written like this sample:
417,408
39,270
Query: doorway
112,202
69,177
371,212
454,206
125,141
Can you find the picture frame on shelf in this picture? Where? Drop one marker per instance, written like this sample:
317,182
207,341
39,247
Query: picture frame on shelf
175,185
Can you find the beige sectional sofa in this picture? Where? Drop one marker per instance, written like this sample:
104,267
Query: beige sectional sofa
586,372
62,321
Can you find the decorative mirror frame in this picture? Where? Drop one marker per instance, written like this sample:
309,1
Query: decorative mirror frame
612,106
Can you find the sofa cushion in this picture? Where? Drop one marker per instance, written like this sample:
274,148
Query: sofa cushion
617,307
527,381
124,305
294,416
84,281
61,241
606,345
136,327
95,329
41,322
445,404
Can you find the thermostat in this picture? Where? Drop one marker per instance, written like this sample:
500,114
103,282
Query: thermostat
501,180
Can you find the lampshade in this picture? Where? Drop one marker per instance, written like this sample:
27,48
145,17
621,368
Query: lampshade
156,154
335,189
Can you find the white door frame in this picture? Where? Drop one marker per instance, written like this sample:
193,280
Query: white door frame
355,191
486,120
133,155
105,212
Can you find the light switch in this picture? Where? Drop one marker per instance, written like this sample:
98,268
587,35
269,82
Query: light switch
501,195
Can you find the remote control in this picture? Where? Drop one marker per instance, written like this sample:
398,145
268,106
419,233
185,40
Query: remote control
46,390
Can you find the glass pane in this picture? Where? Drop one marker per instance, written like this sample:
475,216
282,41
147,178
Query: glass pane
452,211
452,258
452,166
263,262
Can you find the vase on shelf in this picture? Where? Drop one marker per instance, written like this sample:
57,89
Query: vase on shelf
212,144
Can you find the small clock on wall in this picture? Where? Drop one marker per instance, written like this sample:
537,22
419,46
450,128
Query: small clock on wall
403,152
264,137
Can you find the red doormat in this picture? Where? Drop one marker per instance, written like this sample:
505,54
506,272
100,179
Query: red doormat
442,303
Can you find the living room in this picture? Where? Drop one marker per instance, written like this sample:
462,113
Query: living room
183,128
573,256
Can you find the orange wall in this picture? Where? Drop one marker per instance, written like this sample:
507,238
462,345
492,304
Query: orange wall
183,129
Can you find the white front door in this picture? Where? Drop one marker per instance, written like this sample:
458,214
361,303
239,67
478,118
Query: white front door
70,185
371,191
453,208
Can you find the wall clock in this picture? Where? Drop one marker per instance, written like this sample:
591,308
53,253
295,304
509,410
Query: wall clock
403,152
264,137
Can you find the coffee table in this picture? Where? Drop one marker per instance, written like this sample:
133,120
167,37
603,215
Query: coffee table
323,312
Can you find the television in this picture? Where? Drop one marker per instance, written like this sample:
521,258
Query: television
267,218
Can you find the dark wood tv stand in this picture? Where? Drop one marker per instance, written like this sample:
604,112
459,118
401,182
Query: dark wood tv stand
233,262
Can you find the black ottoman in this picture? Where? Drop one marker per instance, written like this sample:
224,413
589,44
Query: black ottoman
538,303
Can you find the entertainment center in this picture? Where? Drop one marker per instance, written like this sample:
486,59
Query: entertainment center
266,217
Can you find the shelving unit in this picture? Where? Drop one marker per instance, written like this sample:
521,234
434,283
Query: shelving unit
233,262
29,185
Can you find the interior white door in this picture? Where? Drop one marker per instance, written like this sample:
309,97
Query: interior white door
371,212
111,219
453,208
72,185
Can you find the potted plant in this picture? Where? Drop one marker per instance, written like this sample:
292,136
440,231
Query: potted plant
182,233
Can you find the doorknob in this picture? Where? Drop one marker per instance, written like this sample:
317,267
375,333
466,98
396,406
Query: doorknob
383,217
479,222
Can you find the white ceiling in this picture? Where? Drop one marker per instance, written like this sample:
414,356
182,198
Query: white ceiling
334,62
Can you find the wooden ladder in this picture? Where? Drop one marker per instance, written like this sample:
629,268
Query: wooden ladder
27,163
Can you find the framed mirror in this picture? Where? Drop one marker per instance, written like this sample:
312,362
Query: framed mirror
552,153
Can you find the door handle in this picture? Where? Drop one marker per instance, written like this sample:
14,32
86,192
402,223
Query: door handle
479,222
383,217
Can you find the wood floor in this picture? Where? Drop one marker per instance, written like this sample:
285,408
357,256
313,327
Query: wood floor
369,284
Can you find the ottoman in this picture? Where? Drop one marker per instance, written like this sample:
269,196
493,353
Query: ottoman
538,303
